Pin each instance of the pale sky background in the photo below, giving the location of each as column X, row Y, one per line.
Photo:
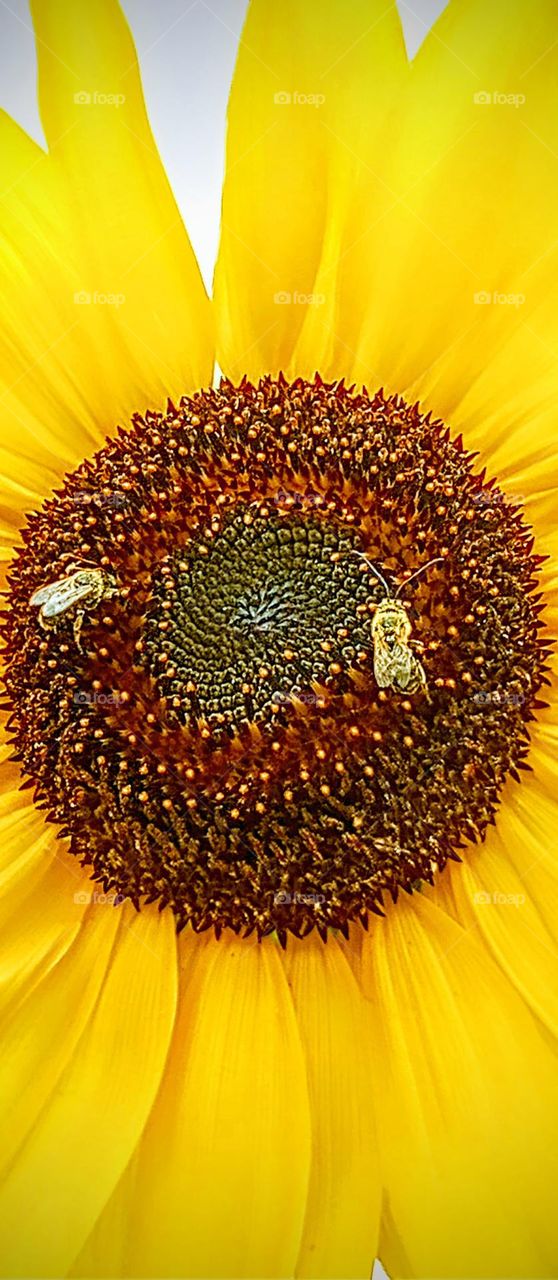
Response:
column 187, row 50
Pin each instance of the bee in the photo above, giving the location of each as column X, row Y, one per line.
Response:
column 395, row 665
column 79, row 590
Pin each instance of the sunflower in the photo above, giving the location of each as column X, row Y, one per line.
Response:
column 278, row 802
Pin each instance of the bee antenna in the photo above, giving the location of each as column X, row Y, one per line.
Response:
column 423, row 567
column 379, row 576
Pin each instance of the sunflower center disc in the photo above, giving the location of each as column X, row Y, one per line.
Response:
column 255, row 620
column 229, row 711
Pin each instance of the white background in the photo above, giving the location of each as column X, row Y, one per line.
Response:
column 187, row 50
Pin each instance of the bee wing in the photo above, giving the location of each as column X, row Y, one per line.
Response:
column 42, row 594
column 384, row 665
column 410, row 672
column 396, row 667
column 59, row 596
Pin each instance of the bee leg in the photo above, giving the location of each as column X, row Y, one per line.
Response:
column 78, row 623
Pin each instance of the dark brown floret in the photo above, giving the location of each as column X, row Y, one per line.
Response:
column 219, row 743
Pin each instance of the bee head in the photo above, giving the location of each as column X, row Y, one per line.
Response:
column 391, row 622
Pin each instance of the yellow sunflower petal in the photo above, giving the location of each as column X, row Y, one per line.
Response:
column 64, row 379
column 131, row 238
column 307, row 127
column 51, row 350
column 507, row 411
column 23, row 483
column 220, row 1186
column 22, row 824
column 488, row 895
column 473, row 184
column 103, row 1254
column 340, row 1236
column 41, row 1033
column 84, row 1059
column 528, row 832
column 424, row 204
column 466, row 1093
column 43, row 897
column 104, row 311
